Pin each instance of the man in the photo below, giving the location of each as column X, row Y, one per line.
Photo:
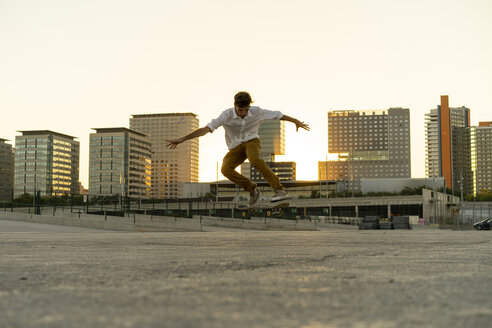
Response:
column 241, row 125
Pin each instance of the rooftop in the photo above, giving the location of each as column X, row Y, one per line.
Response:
column 118, row 130
column 163, row 115
column 44, row 133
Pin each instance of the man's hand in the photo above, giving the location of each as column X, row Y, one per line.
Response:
column 197, row 133
column 298, row 123
column 174, row 143
column 303, row 125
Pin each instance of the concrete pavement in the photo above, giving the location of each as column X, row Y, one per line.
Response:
column 334, row 278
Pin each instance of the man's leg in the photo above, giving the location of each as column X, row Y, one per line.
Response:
column 233, row 159
column 253, row 148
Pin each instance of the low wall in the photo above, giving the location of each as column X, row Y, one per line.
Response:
column 136, row 222
column 132, row 223
column 256, row 223
column 456, row 226
column 140, row 222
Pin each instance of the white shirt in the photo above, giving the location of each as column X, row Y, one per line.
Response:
column 239, row 130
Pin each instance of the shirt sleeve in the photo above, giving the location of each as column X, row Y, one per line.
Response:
column 217, row 122
column 270, row 115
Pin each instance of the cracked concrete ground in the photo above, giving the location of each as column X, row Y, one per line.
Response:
column 53, row 276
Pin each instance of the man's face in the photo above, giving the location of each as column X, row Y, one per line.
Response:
column 241, row 111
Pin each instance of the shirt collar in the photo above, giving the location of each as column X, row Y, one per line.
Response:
column 237, row 116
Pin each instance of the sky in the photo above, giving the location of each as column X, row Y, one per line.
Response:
column 69, row 66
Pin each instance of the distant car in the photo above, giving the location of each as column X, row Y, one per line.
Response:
column 483, row 225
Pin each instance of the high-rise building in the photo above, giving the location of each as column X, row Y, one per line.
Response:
column 481, row 156
column 448, row 145
column 47, row 162
column 120, row 163
column 367, row 144
column 6, row 170
column 272, row 139
column 170, row 168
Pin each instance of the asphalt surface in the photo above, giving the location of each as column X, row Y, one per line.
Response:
column 52, row 276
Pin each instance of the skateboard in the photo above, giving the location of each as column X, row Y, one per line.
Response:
column 266, row 209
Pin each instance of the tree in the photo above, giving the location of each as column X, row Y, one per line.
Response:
column 412, row 191
column 484, row 196
column 23, row 199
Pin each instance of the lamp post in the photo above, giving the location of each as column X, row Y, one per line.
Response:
column 326, row 176
column 461, row 196
column 217, row 184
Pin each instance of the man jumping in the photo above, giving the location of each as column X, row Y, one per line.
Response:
column 241, row 125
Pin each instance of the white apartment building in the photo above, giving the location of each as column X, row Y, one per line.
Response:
column 120, row 163
column 170, row 168
column 47, row 162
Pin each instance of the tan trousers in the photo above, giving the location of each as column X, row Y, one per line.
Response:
column 237, row 156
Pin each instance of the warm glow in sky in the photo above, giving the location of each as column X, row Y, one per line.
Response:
column 69, row 66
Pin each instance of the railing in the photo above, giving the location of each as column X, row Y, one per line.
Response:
column 189, row 208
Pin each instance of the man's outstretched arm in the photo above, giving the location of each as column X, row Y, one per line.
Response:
column 197, row 133
column 298, row 123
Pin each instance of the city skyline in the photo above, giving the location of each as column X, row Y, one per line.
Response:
column 329, row 156
column 68, row 67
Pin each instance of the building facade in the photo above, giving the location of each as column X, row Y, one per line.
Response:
column 367, row 144
column 47, row 162
column 285, row 171
column 481, row 156
column 120, row 163
column 447, row 148
column 230, row 191
column 396, row 185
column 6, row 171
column 272, row 138
column 170, row 167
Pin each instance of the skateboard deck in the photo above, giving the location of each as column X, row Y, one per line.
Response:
column 263, row 209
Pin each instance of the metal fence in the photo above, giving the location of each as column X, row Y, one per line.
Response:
column 469, row 213
column 472, row 212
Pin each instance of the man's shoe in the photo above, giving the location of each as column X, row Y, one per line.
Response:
column 254, row 196
column 280, row 195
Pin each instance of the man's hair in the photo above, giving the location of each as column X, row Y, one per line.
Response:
column 242, row 99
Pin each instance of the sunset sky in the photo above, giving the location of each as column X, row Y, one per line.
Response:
column 69, row 66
